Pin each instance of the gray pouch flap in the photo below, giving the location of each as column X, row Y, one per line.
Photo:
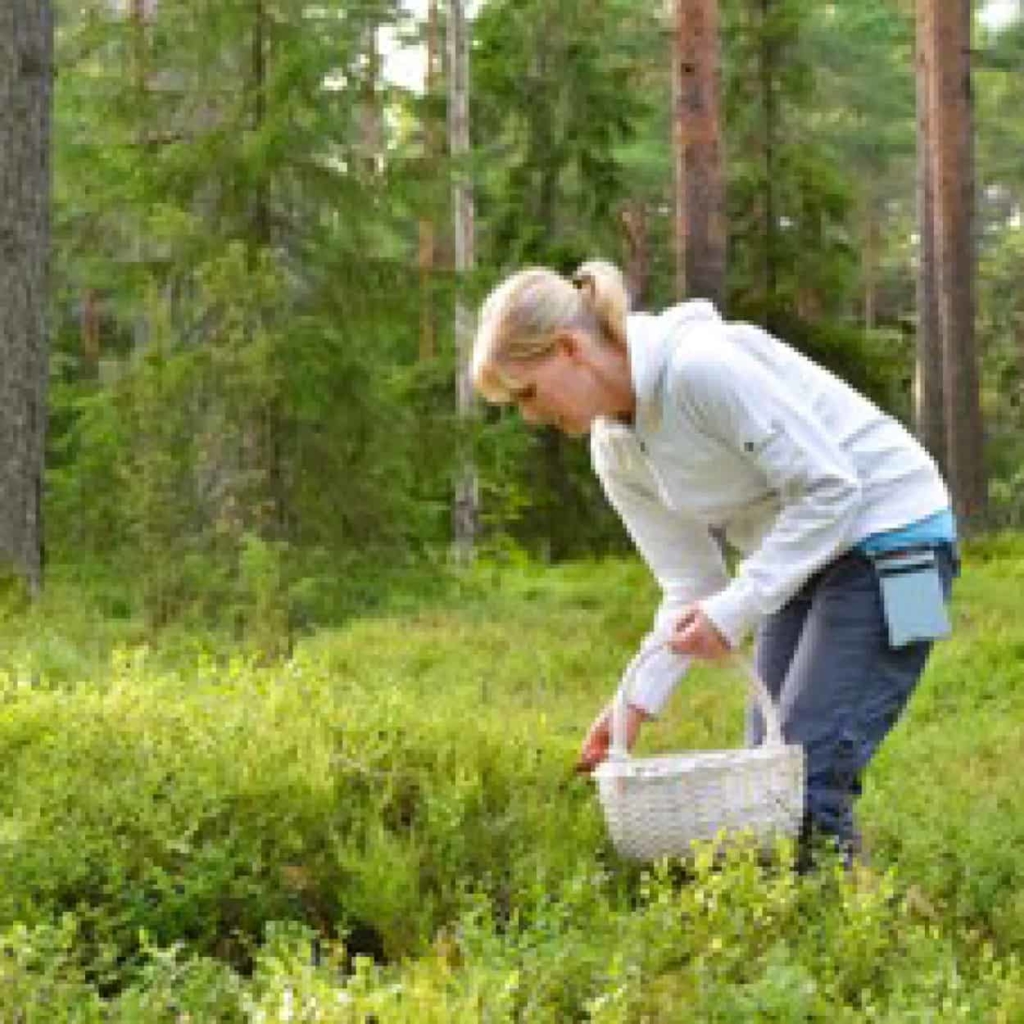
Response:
column 912, row 599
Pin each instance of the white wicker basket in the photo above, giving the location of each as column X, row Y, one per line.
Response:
column 657, row 806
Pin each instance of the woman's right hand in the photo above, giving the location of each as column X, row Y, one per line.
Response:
column 599, row 736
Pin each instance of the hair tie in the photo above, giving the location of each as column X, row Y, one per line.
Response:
column 582, row 280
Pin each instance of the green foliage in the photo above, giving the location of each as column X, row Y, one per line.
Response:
column 551, row 104
column 386, row 823
column 875, row 362
column 196, row 808
column 1001, row 343
column 225, row 366
column 237, row 306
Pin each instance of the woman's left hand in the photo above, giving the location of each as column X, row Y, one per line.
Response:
column 696, row 635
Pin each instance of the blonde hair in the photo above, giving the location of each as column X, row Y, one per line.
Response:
column 522, row 316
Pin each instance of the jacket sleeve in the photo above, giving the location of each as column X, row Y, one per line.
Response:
column 679, row 551
column 732, row 397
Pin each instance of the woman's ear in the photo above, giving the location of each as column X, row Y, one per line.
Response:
column 570, row 344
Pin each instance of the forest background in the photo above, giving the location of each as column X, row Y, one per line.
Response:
column 253, row 398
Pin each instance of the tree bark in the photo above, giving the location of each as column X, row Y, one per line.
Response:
column 268, row 426
column 633, row 219
column 465, row 511
column 767, row 71
column 260, row 236
column 26, row 90
column 928, row 399
column 952, row 169
column 678, row 170
column 371, row 112
column 870, row 260
column 427, row 257
column 700, row 189
column 90, row 331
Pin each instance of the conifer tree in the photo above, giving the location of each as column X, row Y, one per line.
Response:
column 465, row 511
column 26, row 74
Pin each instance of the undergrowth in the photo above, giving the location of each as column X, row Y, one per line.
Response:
column 385, row 825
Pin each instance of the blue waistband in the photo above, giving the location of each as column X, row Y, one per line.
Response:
column 935, row 529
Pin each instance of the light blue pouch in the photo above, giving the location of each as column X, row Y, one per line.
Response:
column 912, row 598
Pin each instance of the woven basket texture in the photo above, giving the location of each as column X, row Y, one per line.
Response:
column 659, row 806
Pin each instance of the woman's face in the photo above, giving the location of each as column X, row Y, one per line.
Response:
column 559, row 389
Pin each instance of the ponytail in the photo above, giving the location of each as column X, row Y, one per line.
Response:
column 603, row 291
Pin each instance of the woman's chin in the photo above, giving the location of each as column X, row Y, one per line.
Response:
column 574, row 428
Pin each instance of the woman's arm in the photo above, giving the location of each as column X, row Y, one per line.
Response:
column 678, row 549
column 734, row 398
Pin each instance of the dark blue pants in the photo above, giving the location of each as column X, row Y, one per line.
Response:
column 840, row 687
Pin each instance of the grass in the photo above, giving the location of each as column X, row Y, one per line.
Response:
column 387, row 823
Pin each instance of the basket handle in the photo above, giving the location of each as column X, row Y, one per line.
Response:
column 619, row 750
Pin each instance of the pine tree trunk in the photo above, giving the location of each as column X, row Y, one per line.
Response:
column 700, row 189
column 767, row 72
column 90, row 332
column 929, row 404
column 427, row 260
column 260, row 236
column 869, row 262
column 268, row 426
column 633, row 219
column 465, row 511
column 678, row 170
column 952, row 166
column 26, row 77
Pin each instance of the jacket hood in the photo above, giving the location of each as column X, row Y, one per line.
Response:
column 677, row 318
column 651, row 340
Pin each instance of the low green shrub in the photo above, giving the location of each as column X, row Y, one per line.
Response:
column 197, row 809
column 735, row 943
column 386, row 823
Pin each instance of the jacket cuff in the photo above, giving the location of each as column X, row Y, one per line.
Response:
column 732, row 611
column 654, row 683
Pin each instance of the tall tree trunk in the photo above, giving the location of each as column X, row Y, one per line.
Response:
column 870, row 260
column 678, row 170
column 770, row 117
column 26, row 77
column 465, row 511
column 928, row 399
column 90, row 331
column 633, row 219
column 952, row 165
column 700, row 188
column 138, row 67
column 268, row 426
column 427, row 229
column 371, row 113
column 260, row 233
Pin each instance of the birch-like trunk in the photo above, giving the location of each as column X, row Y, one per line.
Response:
column 465, row 511
column 928, row 400
column 432, row 150
column 26, row 90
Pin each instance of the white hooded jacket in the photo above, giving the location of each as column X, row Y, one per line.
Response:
column 738, row 432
